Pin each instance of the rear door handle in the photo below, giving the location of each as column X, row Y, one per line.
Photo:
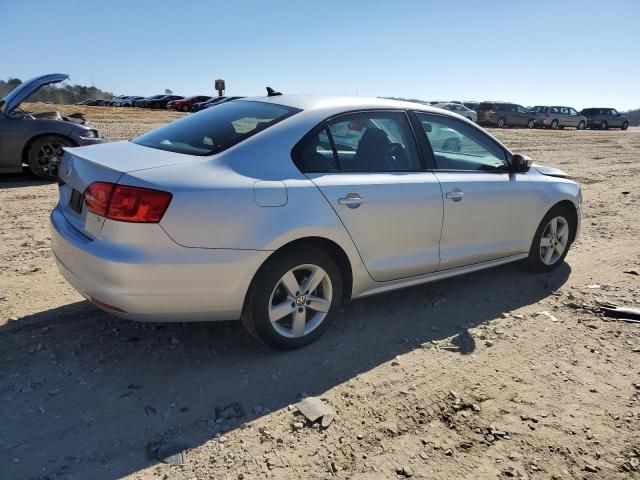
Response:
column 455, row 195
column 352, row 200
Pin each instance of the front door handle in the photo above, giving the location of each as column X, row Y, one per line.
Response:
column 352, row 200
column 456, row 195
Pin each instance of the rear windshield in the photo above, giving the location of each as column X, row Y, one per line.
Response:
column 216, row 128
column 485, row 106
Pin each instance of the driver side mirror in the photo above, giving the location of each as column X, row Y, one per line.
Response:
column 520, row 163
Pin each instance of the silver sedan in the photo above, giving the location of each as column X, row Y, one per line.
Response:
column 275, row 210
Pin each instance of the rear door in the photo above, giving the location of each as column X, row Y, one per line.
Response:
column 522, row 115
column 489, row 213
column 367, row 166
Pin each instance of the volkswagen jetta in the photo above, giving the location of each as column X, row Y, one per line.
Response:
column 276, row 209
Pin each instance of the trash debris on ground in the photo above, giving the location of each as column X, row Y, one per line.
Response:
column 171, row 453
column 313, row 408
column 627, row 314
column 545, row 313
column 229, row 412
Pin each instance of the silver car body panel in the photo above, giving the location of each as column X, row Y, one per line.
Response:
column 231, row 211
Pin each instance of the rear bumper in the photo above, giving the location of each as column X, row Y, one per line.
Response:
column 168, row 284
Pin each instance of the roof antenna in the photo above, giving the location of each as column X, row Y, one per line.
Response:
column 272, row 93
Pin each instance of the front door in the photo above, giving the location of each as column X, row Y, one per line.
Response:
column 367, row 166
column 487, row 209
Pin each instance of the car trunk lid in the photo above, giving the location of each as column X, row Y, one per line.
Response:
column 82, row 166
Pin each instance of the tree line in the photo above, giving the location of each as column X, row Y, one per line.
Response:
column 58, row 93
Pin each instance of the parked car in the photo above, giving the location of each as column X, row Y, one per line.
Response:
column 142, row 102
column 200, row 219
column 604, row 118
column 161, row 103
column 459, row 109
column 129, row 101
column 96, row 103
column 85, row 102
column 558, row 117
column 210, row 103
column 37, row 140
column 112, row 102
column 185, row 104
column 505, row 114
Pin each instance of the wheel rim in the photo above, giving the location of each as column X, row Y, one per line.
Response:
column 501, row 123
column 48, row 157
column 554, row 125
column 300, row 301
column 531, row 123
column 555, row 238
column 581, row 126
column 603, row 125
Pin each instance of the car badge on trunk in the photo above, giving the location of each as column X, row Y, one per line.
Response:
column 69, row 168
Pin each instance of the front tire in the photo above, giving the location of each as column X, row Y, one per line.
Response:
column 185, row 108
column 502, row 122
column 554, row 125
column 625, row 125
column 44, row 154
column 293, row 298
column 604, row 125
column 552, row 240
column 531, row 123
column 581, row 126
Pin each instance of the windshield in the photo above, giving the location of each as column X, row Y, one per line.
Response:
column 217, row 128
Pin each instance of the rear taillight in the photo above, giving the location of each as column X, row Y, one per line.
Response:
column 126, row 204
column 97, row 196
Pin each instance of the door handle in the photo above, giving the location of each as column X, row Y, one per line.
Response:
column 455, row 195
column 352, row 200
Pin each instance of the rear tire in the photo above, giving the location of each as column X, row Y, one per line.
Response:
column 44, row 154
column 625, row 125
column 531, row 124
column 554, row 125
column 604, row 125
column 286, row 319
column 551, row 243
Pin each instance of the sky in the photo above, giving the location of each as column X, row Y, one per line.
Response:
column 577, row 53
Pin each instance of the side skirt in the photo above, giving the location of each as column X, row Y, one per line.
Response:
column 431, row 277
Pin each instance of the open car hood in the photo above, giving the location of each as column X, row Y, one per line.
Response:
column 22, row 91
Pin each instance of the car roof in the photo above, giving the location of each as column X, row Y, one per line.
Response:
column 346, row 103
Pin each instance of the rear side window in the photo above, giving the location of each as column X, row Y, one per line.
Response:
column 363, row 142
column 484, row 106
column 216, row 128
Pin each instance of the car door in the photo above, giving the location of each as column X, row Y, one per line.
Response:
column 615, row 119
column 488, row 211
column 522, row 116
column 367, row 166
column 574, row 118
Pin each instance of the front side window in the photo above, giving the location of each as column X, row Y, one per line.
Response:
column 458, row 146
column 521, row 109
column 572, row 111
column 614, row 112
column 216, row 128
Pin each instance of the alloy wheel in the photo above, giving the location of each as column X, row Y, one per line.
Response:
column 554, row 240
column 48, row 157
column 300, row 301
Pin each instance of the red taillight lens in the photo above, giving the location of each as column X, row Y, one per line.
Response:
column 126, row 204
column 97, row 196
column 134, row 204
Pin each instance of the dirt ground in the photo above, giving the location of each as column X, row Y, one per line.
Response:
column 460, row 379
